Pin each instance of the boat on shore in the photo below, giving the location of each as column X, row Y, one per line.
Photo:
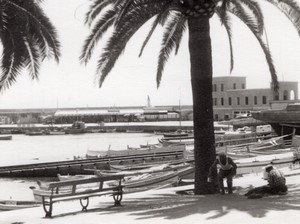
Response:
column 55, row 132
column 146, row 179
column 8, row 205
column 78, row 127
column 34, row 133
column 286, row 121
column 5, row 137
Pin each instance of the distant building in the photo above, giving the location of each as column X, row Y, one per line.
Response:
column 232, row 99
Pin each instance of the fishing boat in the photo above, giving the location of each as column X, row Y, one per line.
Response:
column 283, row 121
column 34, row 133
column 8, row 205
column 141, row 181
column 78, row 127
column 178, row 141
column 55, row 132
column 5, row 137
column 133, row 151
column 176, row 134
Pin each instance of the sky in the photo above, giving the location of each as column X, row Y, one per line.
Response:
column 72, row 84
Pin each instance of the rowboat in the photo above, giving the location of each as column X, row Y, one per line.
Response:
column 175, row 134
column 181, row 141
column 55, row 132
column 254, row 165
column 34, row 133
column 7, row 205
column 5, row 137
column 149, row 180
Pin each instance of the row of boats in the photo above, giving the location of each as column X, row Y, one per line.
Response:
column 143, row 174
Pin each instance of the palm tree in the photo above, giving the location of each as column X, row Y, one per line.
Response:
column 127, row 16
column 27, row 37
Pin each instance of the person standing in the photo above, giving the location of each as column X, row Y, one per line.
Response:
column 227, row 169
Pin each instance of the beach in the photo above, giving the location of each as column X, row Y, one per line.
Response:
column 166, row 207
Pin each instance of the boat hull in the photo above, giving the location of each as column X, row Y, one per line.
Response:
column 8, row 205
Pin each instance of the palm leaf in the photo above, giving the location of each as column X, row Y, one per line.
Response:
column 171, row 37
column 291, row 10
column 225, row 20
column 125, row 28
column 95, row 10
column 41, row 21
column 160, row 19
column 99, row 29
column 248, row 20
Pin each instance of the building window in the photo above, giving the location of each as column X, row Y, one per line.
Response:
column 243, row 86
column 285, row 95
column 215, row 86
column 215, row 101
column 234, row 86
column 222, row 101
column 264, row 100
column 222, row 87
column 238, row 101
column 255, row 100
column 229, row 101
column 246, row 100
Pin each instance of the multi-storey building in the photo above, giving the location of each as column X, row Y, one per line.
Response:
column 231, row 98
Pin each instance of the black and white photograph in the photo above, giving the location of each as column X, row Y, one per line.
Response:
column 147, row 111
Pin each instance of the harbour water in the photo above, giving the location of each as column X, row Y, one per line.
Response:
column 23, row 149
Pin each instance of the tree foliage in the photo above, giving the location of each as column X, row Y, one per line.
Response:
column 125, row 17
column 27, row 37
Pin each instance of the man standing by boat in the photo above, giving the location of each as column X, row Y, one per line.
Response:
column 227, row 169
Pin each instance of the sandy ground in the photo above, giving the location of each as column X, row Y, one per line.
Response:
column 164, row 206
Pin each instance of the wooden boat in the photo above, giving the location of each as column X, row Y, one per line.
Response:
column 5, row 137
column 56, row 132
column 83, row 166
column 155, row 145
column 146, row 181
column 110, row 130
column 284, row 121
column 34, row 133
column 151, row 167
column 254, row 164
column 133, row 151
column 8, row 205
column 78, row 127
column 175, row 134
column 181, row 141
column 134, row 131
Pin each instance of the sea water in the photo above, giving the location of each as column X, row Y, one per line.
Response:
column 24, row 149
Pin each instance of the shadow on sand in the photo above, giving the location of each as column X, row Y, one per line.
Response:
column 179, row 206
column 174, row 206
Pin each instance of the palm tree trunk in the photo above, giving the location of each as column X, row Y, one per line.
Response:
column 201, row 80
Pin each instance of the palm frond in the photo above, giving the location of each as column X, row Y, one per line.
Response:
column 11, row 61
column 291, row 10
column 40, row 20
column 225, row 20
column 171, row 37
column 124, row 29
column 255, row 8
column 98, row 30
column 95, row 9
column 243, row 16
column 160, row 19
column 32, row 57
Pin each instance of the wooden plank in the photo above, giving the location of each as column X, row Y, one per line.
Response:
column 84, row 181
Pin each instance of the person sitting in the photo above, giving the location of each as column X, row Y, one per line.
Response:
column 227, row 169
column 276, row 184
